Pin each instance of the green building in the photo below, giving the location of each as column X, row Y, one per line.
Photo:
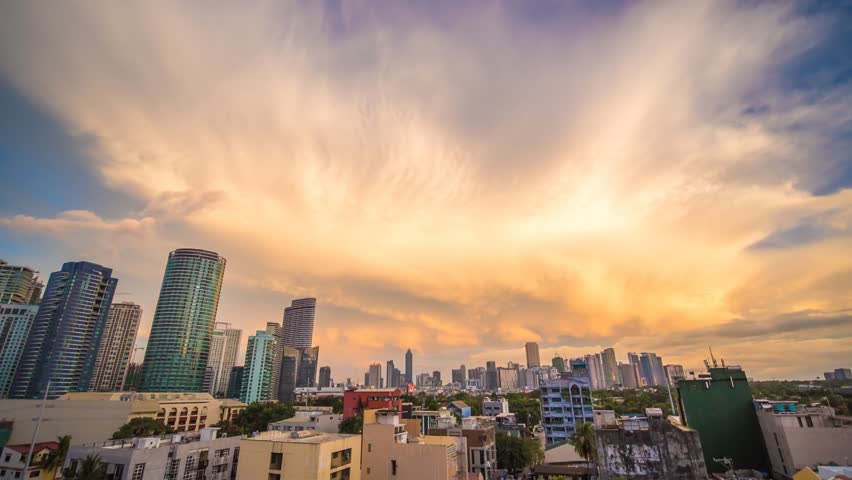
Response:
column 179, row 345
column 720, row 406
column 257, row 384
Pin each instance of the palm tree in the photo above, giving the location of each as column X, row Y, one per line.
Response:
column 584, row 441
column 54, row 460
column 91, row 468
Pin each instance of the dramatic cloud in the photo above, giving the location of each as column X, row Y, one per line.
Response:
column 462, row 179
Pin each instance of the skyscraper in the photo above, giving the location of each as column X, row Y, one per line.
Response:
column 298, row 331
column 674, row 373
column 630, row 377
column 594, row 366
column 652, row 370
column 224, row 344
column 179, row 346
column 409, row 367
column 558, row 363
column 374, row 378
column 610, row 368
column 492, row 380
column 18, row 285
column 15, row 323
column 436, row 378
column 389, row 367
column 324, row 377
column 290, row 359
column 275, row 329
column 235, row 381
column 116, row 347
column 257, row 376
column 66, row 331
column 307, row 369
column 533, row 359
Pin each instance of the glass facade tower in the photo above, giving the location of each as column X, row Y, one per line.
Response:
column 179, row 346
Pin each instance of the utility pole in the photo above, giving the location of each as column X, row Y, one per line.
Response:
column 35, row 432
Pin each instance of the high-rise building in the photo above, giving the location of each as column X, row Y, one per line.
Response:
column 409, row 367
column 64, row 338
column 397, row 378
column 15, row 323
column 325, row 377
column 492, row 379
column 375, row 375
column 558, row 363
column 389, row 374
column 674, row 373
column 257, row 376
column 19, row 285
column 565, row 403
column 224, row 345
column 116, row 347
column 595, row 371
column 290, row 359
column 630, row 377
column 533, row 359
column 276, row 330
column 298, row 331
column 458, row 375
column 842, row 374
column 652, row 369
column 179, row 346
column 235, row 381
column 610, row 368
column 307, row 369
column 720, row 406
column 508, row 379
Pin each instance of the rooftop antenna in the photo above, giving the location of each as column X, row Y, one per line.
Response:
column 707, row 364
column 715, row 365
column 723, row 363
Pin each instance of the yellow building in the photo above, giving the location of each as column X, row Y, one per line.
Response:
column 14, row 457
column 305, row 455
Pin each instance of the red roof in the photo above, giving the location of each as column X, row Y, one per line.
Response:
column 25, row 449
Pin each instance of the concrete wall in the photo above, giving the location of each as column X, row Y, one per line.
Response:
column 301, row 460
column 436, row 459
column 86, row 421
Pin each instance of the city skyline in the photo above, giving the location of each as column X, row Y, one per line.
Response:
column 585, row 194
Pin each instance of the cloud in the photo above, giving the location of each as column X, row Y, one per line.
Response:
column 457, row 179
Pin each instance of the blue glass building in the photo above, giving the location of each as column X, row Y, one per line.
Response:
column 65, row 334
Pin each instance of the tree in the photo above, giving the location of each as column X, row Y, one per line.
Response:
column 516, row 453
column 257, row 416
column 230, row 429
column 91, row 468
column 336, row 403
column 142, row 427
column 54, row 460
column 584, row 441
column 353, row 424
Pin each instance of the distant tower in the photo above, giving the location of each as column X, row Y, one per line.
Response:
column 15, row 324
column 374, row 378
column 224, row 345
column 409, row 367
column 533, row 359
column 298, row 331
column 64, row 338
column 116, row 347
column 325, row 377
column 389, row 374
column 19, row 285
column 179, row 346
column 257, row 376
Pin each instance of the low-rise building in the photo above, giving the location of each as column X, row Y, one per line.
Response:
column 306, row 455
column 491, row 408
column 317, row 418
column 459, row 408
column 14, row 457
column 429, row 419
column 480, row 434
column 197, row 455
column 391, row 451
column 356, row 401
column 798, row 436
column 565, row 403
column 647, row 448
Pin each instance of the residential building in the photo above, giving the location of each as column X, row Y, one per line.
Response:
column 595, row 369
column 19, row 285
column 478, row 375
column 389, row 375
column 459, row 376
column 94, row 416
column 533, row 358
column 257, row 377
column 391, row 452
column 224, row 345
column 305, row 455
column 565, row 403
column 133, row 378
column 179, row 344
column 66, row 331
column 480, row 434
column 647, row 448
column 436, row 378
column 235, row 381
column 298, row 324
column 290, row 359
column 459, row 408
column 798, row 436
column 633, row 359
column 116, row 347
column 320, row 419
column 374, row 375
column 275, row 330
column 630, row 376
column 492, row 379
column 674, row 373
column 186, row 456
column 579, row 368
column 13, row 458
column 325, row 377
column 409, row 367
column 719, row 405
column 652, row 369
column 842, row 374
column 492, row 408
column 15, row 323
column 829, row 376
column 507, row 379
column 558, row 363
column 610, row 368
column 356, row 401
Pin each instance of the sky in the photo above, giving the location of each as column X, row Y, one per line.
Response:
column 453, row 177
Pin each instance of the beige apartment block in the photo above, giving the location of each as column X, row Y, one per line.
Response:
column 305, row 455
column 390, row 451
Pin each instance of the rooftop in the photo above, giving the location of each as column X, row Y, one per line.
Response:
column 305, row 436
column 376, row 390
column 25, row 448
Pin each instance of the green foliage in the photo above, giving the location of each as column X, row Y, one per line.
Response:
column 257, row 416
column 336, row 403
column 584, row 441
column 230, row 429
column 633, row 401
column 353, row 424
column 91, row 468
column 526, row 408
column 56, row 458
column 514, row 454
column 142, row 427
column 822, row 392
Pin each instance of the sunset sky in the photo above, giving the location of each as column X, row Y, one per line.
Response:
column 454, row 177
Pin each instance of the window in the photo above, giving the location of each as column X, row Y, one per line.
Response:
column 17, row 474
column 222, row 452
column 2, row 473
column 275, row 460
column 138, row 471
column 8, row 458
column 393, row 467
column 369, row 447
column 801, row 425
column 274, row 476
column 35, row 473
column 809, row 421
